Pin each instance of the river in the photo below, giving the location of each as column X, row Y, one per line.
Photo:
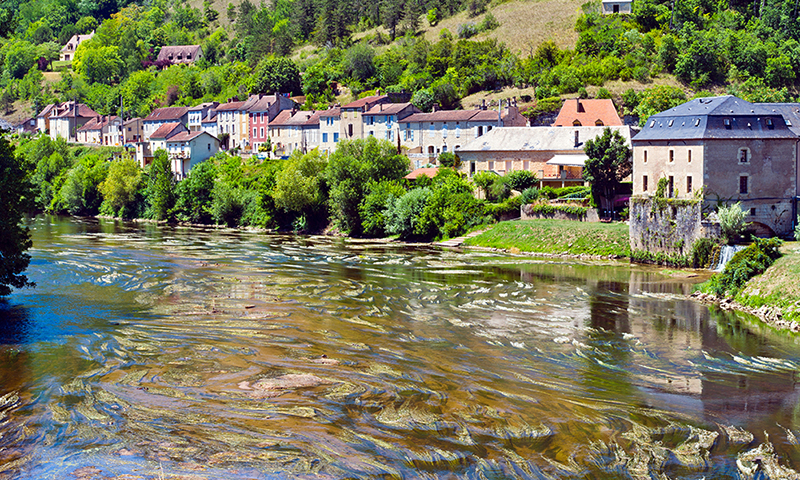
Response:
column 167, row 352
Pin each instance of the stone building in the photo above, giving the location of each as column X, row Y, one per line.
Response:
column 729, row 149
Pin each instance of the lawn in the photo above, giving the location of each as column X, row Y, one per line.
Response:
column 558, row 237
column 778, row 285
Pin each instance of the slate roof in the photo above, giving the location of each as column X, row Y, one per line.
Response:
column 331, row 112
column 261, row 103
column 588, row 112
column 166, row 114
column 725, row 117
column 508, row 139
column 180, row 53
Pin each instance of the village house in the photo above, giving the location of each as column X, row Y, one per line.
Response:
column 209, row 123
column 351, row 121
column 196, row 114
column 132, row 131
column 295, row 130
column 578, row 112
column 261, row 110
column 232, row 120
column 185, row 148
column 383, row 120
column 426, row 135
column 101, row 130
column 26, row 126
column 68, row 50
column 162, row 116
column 180, row 54
column 67, row 118
column 330, row 128
column 554, row 154
column 43, row 118
column 729, row 149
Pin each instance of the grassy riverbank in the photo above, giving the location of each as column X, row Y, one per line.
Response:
column 557, row 237
column 778, row 285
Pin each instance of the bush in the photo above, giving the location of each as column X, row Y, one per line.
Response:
column 520, row 180
column 508, row 207
column 731, row 222
column 548, row 192
column 529, row 195
column 744, row 265
column 375, row 205
column 702, row 252
column 402, row 214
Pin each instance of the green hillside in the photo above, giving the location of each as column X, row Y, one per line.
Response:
column 446, row 52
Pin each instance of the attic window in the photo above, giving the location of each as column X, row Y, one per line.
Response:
column 788, row 122
column 769, row 122
column 652, row 123
column 697, row 122
column 671, row 122
column 727, row 123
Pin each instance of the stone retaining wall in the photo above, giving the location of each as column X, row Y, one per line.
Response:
column 591, row 215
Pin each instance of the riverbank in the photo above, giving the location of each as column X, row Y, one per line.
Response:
column 773, row 296
column 557, row 237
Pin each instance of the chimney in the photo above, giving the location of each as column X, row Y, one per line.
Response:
column 577, row 141
column 483, row 104
column 380, row 107
column 434, row 109
column 580, row 105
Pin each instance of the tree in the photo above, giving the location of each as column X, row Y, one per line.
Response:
column 14, row 238
column 608, row 163
column 658, row 99
column 276, row 75
column 299, row 186
column 449, row 160
column 120, row 187
column 160, row 187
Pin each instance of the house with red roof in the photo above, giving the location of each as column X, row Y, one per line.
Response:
column 66, row 118
column 185, row 149
column 162, row 116
column 597, row 112
column 351, row 121
column 232, row 121
column 383, row 119
column 293, row 130
column 261, row 110
column 101, row 130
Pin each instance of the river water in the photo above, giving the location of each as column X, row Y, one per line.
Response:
column 160, row 352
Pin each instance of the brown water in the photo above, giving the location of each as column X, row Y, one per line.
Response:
column 156, row 352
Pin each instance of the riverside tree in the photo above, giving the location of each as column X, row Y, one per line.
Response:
column 14, row 238
column 608, row 163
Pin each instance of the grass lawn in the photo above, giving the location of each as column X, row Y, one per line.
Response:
column 557, row 236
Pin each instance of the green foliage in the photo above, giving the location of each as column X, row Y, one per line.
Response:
column 508, row 208
column 608, row 164
column 449, row 160
column 80, row 192
column 300, row 186
column 529, row 195
column 160, row 194
column 484, row 180
column 14, row 238
column 451, row 208
column 433, row 17
column 702, row 252
column 657, row 99
column 402, row 214
column 731, row 221
column 350, row 168
column 551, row 208
column 373, row 209
column 744, row 265
column 276, row 75
column 520, row 180
column 194, row 200
column 120, row 189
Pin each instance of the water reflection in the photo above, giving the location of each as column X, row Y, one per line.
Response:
column 226, row 354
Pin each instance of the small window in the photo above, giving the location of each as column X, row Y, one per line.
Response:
column 671, row 121
column 769, row 122
column 727, row 123
column 743, row 184
column 672, row 156
column 671, row 186
column 645, row 156
column 697, row 122
column 753, row 211
column 688, row 184
column 576, row 123
column 744, row 155
column 652, row 123
column 689, row 156
column 788, row 122
column 644, row 183
column 599, row 123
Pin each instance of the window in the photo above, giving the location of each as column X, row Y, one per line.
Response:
column 769, row 123
column 689, row 156
column 599, row 123
column 350, row 130
column 689, row 184
column 671, row 192
column 335, row 137
column 324, row 137
column 753, row 211
column 576, row 123
column 209, row 147
column 645, row 156
column 458, row 130
column 671, row 156
column 444, row 130
column 479, row 131
column 254, row 132
column 444, row 148
column 388, row 134
column 671, row 121
column 371, row 133
column 262, row 132
column 644, row 183
column 743, row 184
column 727, row 123
column 744, row 155
column 370, row 121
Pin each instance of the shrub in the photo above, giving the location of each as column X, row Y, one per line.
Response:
column 702, row 252
column 744, row 265
column 548, row 192
column 402, row 214
column 375, row 205
column 508, row 207
column 529, row 195
column 520, row 180
column 731, row 222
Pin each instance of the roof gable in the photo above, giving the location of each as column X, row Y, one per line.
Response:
column 167, row 130
column 587, row 112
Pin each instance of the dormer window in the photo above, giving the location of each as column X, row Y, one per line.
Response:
column 769, row 123
column 652, row 123
column 697, row 122
column 727, row 123
column 671, row 122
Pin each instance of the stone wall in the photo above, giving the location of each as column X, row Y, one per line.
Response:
column 667, row 226
column 591, row 215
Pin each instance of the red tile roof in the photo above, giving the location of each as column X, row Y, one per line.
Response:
column 185, row 136
column 428, row 172
column 387, row 109
column 361, row 102
column 443, row 116
column 588, row 113
column 230, row 106
column 167, row 130
column 331, row 112
column 167, row 113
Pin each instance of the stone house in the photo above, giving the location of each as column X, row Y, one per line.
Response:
column 330, row 128
column 351, row 121
column 68, row 50
column 101, row 130
column 67, row 118
column 554, row 154
column 384, row 119
column 132, row 131
column 729, row 149
column 232, row 119
column 180, row 54
column 295, row 130
column 194, row 119
column 261, row 110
